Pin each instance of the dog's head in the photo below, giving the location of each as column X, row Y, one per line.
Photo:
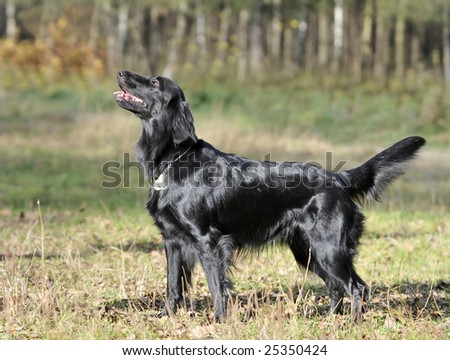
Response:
column 158, row 102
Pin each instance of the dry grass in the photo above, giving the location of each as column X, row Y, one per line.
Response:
column 97, row 273
column 102, row 277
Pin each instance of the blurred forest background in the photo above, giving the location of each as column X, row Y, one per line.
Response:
column 292, row 77
column 363, row 39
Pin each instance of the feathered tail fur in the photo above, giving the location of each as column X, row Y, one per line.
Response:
column 368, row 181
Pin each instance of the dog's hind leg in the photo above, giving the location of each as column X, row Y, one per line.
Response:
column 354, row 287
column 336, row 296
column 336, row 269
column 306, row 259
column 333, row 262
column 358, row 291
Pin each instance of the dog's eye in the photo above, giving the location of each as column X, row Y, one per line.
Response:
column 154, row 82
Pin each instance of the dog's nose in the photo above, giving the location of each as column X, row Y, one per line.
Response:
column 122, row 73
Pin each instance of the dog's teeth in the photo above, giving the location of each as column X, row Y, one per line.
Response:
column 128, row 96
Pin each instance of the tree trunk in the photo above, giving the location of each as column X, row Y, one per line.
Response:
column 222, row 41
column 287, row 49
column 175, row 44
column 94, row 28
column 415, row 48
column 122, row 27
column 347, row 46
column 156, row 40
column 275, row 35
column 381, row 42
column 446, row 42
column 110, row 29
column 244, row 16
column 400, row 41
column 355, row 40
column 324, row 38
column 47, row 14
column 11, row 24
column 137, row 54
column 311, row 42
column 367, row 50
column 338, row 35
column 301, row 38
column 256, row 40
column 200, row 32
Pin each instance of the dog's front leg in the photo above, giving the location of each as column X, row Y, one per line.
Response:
column 219, row 292
column 174, row 277
column 215, row 258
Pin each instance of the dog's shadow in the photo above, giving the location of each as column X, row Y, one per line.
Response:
column 418, row 300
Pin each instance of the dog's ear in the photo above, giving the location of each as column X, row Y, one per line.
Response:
column 182, row 124
column 172, row 92
column 181, row 94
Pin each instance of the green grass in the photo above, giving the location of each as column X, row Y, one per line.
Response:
column 94, row 267
column 102, row 276
column 60, row 180
column 337, row 112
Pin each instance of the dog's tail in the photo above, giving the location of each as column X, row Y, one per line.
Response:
column 368, row 181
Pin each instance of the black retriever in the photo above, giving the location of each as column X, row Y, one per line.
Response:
column 209, row 204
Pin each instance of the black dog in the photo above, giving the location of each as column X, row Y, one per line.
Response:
column 207, row 204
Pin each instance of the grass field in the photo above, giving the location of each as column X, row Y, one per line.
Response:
column 88, row 263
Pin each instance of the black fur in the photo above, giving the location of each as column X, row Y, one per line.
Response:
column 208, row 204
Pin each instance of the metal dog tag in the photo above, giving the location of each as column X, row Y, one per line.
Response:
column 159, row 183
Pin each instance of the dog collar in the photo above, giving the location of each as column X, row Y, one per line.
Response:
column 160, row 182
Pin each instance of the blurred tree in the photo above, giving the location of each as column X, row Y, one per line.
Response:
column 446, row 41
column 224, row 29
column 338, row 35
column 400, row 25
column 244, row 16
column 367, row 35
column 355, row 39
column 360, row 38
column 122, row 28
column 302, row 33
column 324, row 36
column 11, row 25
column 94, row 27
column 276, row 28
column 176, row 43
column 200, row 33
column 256, row 50
column 382, row 24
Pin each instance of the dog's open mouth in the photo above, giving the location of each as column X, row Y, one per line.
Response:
column 124, row 95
